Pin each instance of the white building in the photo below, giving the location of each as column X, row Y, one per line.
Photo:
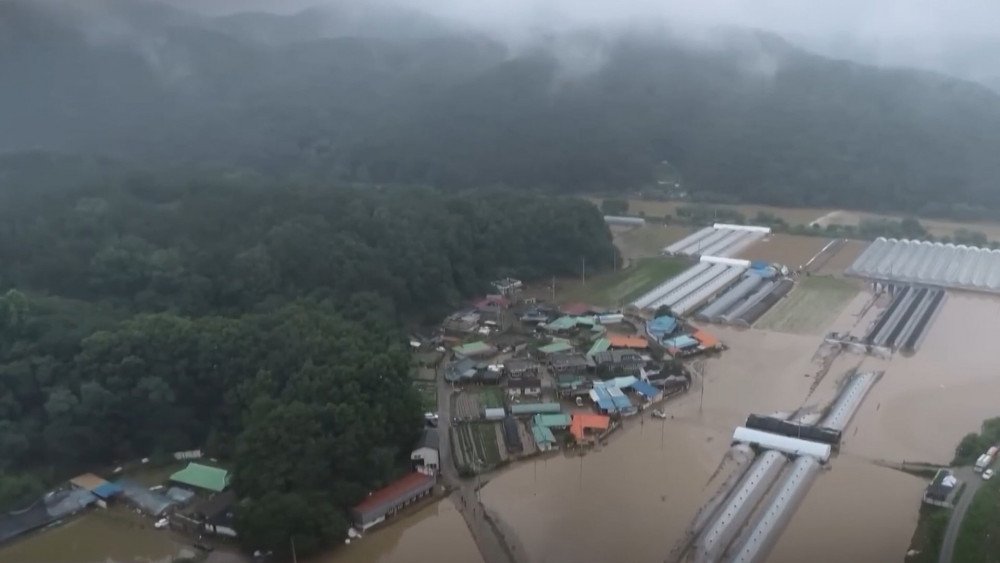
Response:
column 425, row 457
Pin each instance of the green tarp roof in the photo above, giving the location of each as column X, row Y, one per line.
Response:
column 562, row 323
column 556, row 347
column 203, row 477
column 542, row 435
column 600, row 345
column 561, row 420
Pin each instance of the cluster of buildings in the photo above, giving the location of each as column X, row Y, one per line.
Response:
column 195, row 499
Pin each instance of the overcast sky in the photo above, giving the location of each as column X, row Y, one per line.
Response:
column 958, row 36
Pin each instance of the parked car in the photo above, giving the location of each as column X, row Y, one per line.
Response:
column 987, row 475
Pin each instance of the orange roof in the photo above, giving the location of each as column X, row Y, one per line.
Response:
column 625, row 341
column 707, row 340
column 87, row 481
column 584, row 421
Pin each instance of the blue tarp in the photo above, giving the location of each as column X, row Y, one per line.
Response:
column 107, row 490
column 661, row 326
column 645, row 389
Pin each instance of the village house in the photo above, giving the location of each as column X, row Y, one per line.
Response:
column 516, row 368
column 524, row 387
column 567, row 363
column 617, row 362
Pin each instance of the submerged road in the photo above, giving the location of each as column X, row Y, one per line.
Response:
column 972, row 482
column 483, row 525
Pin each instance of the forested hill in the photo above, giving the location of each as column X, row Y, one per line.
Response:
column 377, row 96
column 259, row 322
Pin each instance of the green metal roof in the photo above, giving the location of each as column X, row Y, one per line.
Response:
column 561, row 420
column 600, row 345
column 542, row 435
column 202, row 477
column 556, row 347
column 473, row 348
column 562, row 323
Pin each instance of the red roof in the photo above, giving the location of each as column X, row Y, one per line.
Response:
column 626, row 341
column 584, row 421
column 576, row 309
column 707, row 340
column 393, row 491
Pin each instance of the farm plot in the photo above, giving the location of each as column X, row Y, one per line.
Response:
column 428, row 395
column 811, row 306
column 478, row 446
column 469, row 405
column 647, row 240
column 625, row 285
column 791, row 250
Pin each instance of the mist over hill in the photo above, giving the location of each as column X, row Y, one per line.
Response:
column 381, row 95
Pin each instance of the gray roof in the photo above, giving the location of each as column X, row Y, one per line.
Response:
column 517, row 364
column 565, row 360
column 931, row 263
column 429, row 439
column 617, row 357
column 526, row 383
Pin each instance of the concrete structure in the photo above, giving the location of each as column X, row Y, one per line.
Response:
column 930, row 263
column 389, row 500
column 424, row 457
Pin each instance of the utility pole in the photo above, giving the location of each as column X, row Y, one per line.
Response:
column 583, row 269
column 295, row 558
column 553, row 289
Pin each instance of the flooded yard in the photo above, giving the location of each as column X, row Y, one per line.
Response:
column 433, row 533
column 115, row 535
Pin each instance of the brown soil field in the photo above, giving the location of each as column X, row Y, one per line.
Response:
column 936, row 227
column 791, row 250
column 793, row 215
column 845, row 256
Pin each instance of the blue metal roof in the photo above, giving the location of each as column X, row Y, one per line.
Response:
column 645, row 389
column 682, row 341
column 107, row 490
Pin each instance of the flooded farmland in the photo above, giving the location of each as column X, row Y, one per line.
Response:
column 791, row 250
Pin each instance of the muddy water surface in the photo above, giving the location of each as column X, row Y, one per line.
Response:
column 434, row 533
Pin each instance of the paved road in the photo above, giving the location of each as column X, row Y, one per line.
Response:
column 972, row 482
column 488, row 538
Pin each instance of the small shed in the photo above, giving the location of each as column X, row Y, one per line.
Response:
column 560, row 420
column 647, row 391
column 150, row 502
column 474, row 350
column 494, row 413
column 556, row 347
column 544, row 439
column 200, row 476
column 425, row 455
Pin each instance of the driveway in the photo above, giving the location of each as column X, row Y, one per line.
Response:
column 972, row 482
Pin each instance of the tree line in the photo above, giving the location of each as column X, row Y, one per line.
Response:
column 259, row 322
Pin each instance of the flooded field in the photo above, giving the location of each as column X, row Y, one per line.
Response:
column 936, row 227
column 790, row 250
column 926, row 403
column 116, row 535
column 793, row 215
column 433, row 533
column 811, row 306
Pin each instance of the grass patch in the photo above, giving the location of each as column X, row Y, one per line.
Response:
column 428, row 396
column 648, row 240
column 979, row 536
column 811, row 306
column 623, row 286
column 929, row 534
column 491, row 398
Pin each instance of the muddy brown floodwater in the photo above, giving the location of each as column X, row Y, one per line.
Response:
column 433, row 533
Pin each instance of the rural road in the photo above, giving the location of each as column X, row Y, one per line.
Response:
column 972, row 482
column 482, row 524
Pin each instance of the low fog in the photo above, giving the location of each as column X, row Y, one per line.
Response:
column 958, row 38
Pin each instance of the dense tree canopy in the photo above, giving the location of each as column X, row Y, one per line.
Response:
column 259, row 322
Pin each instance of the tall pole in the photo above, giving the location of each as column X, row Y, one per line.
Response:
column 583, row 269
column 295, row 558
column 553, row 289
